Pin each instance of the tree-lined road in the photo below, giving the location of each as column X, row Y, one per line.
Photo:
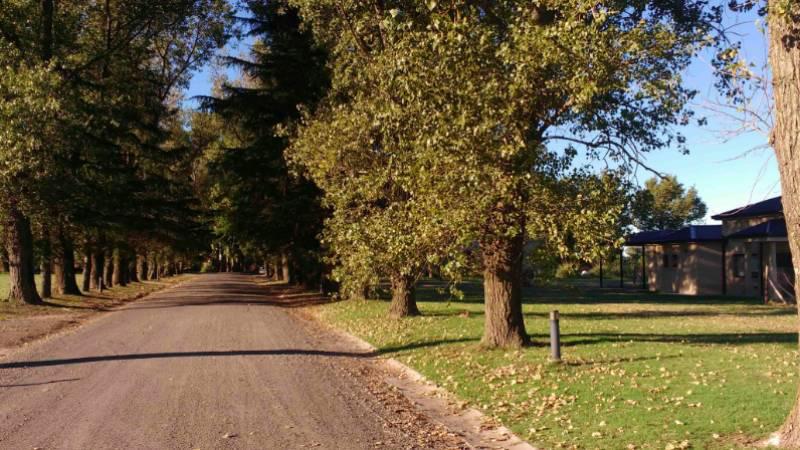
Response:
column 216, row 362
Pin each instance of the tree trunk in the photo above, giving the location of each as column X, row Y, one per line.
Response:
column 155, row 269
column 4, row 259
column 133, row 269
column 502, row 287
column 124, row 270
column 87, row 271
column 108, row 271
column 65, row 266
column 141, row 267
column 98, row 270
column 19, row 245
column 276, row 270
column 286, row 274
column 116, row 272
column 785, row 62
column 404, row 299
column 47, row 264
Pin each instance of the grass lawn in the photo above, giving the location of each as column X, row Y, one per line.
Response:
column 641, row 370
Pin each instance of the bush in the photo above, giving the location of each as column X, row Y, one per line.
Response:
column 567, row 269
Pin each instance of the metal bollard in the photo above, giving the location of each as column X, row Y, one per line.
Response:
column 555, row 338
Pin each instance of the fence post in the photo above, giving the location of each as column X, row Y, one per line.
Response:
column 555, row 337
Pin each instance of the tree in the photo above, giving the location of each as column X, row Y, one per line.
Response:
column 665, row 204
column 489, row 88
column 783, row 19
column 784, row 56
column 259, row 206
column 737, row 81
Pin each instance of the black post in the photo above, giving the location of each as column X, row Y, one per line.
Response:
column 622, row 268
column 761, row 271
column 555, row 338
column 644, row 267
column 724, row 268
column 601, row 271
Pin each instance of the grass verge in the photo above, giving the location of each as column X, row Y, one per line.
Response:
column 641, row 371
column 89, row 302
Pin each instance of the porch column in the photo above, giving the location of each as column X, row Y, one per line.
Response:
column 724, row 267
column 644, row 267
column 761, row 269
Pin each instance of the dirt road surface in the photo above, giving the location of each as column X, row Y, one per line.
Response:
column 218, row 362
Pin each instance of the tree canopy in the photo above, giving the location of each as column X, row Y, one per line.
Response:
column 665, row 204
column 454, row 111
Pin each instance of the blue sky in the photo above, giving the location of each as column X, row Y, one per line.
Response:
column 725, row 175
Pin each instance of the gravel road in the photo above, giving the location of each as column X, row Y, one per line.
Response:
column 217, row 362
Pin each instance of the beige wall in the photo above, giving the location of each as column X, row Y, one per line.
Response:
column 698, row 271
column 750, row 284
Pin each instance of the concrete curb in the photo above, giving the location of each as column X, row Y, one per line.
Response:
column 439, row 405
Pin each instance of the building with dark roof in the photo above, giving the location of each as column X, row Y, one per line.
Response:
column 747, row 255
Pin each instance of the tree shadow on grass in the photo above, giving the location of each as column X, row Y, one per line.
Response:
column 88, row 307
column 584, row 339
column 633, row 314
column 595, row 362
column 436, row 291
column 424, row 344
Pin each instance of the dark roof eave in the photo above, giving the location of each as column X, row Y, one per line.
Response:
column 673, row 241
column 769, row 207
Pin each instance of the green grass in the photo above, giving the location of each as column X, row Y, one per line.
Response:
column 641, row 370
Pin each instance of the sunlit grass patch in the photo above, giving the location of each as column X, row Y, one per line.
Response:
column 640, row 370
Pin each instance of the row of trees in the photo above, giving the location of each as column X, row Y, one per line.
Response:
column 94, row 154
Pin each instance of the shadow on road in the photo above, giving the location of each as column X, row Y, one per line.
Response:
column 200, row 354
column 42, row 383
column 232, row 293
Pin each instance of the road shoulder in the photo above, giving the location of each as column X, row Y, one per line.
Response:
column 435, row 403
column 24, row 325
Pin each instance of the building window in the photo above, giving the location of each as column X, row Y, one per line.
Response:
column 674, row 260
column 738, row 265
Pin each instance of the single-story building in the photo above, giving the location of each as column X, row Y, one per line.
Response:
column 747, row 255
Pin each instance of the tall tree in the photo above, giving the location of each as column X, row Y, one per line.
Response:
column 737, row 82
column 489, row 86
column 783, row 19
column 259, row 205
column 665, row 204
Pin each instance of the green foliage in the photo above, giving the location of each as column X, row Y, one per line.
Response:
column 567, row 269
column 27, row 113
column 665, row 204
column 443, row 120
